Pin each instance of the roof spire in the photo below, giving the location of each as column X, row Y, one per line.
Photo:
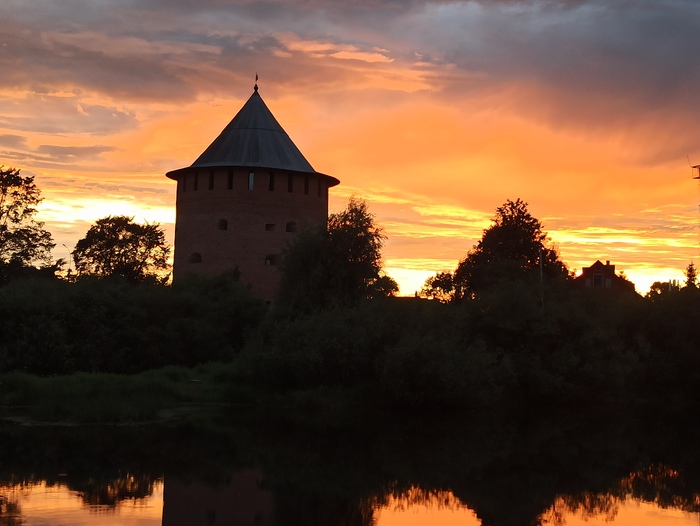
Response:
column 255, row 88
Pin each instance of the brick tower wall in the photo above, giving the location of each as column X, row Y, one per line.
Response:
column 228, row 218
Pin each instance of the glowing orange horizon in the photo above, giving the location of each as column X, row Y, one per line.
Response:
column 432, row 172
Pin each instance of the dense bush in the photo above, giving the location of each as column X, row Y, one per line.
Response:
column 339, row 347
column 507, row 347
column 672, row 331
column 337, row 266
column 108, row 325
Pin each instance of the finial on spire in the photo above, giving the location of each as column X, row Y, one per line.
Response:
column 255, row 88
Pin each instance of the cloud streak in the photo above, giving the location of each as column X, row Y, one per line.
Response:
column 434, row 111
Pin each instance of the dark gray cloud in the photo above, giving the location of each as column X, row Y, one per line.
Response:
column 601, row 67
column 13, row 141
column 12, row 158
column 46, row 155
column 594, row 64
column 71, row 153
column 33, row 56
column 47, row 111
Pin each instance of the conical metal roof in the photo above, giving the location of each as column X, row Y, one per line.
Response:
column 253, row 139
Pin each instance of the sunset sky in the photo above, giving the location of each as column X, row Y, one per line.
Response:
column 435, row 112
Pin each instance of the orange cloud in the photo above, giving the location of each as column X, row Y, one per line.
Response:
column 434, row 113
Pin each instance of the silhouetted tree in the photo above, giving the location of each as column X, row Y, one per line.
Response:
column 116, row 246
column 513, row 247
column 439, row 287
column 383, row 287
column 341, row 264
column 691, row 276
column 355, row 243
column 23, row 240
column 659, row 289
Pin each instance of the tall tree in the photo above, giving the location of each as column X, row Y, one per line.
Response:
column 512, row 248
column 355, row 243
column 340, row 264
column 660, row 290
column 439, row 287
column 116, row 246
column 23, row 240
column 691, row 276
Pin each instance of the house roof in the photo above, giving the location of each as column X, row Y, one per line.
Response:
column 254, row 139
column 598, row 266
column 607, row 270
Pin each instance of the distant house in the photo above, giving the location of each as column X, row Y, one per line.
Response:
column 602, row 276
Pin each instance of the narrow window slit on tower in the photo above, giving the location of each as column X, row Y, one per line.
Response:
column 306, row 184
column 290, row 183
column 230, row 179
column 196, row 181
column 211, row 180
column 271, row 181
column 251, row 180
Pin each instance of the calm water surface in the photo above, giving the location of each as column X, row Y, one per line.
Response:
column 471, row 472
column 58, row 505
column 41, row 504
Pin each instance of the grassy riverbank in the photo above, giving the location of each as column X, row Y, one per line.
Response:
column 154, row 396
column 112, row 398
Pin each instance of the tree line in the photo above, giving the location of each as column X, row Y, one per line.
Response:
column 115, row 309
column 113, row 246
column 336, row 264
column 335, row 327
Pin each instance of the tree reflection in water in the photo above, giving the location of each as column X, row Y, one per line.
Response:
column 415, row 496
column 111, row 492
column 664, row 486
column 57, row 504
column 587, row 505
column 427, row 506
column 10, row 512
column 657, row 484
column 508, row 471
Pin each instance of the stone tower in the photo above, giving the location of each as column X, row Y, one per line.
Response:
column 243, row 200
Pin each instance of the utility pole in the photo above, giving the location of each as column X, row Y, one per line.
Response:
column 69, row 259
column 695, row 172
column 541, row 281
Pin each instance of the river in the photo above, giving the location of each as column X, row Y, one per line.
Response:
column 471, row 470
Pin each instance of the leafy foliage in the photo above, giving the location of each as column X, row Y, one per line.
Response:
column 439, row 287
column 691, row 276
column 579, row 349
column 23, row 240
column 339, row 265
column 512, row 248
column 116, row 246
column 98, row 325
column 502, row 348
column 661, row 289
